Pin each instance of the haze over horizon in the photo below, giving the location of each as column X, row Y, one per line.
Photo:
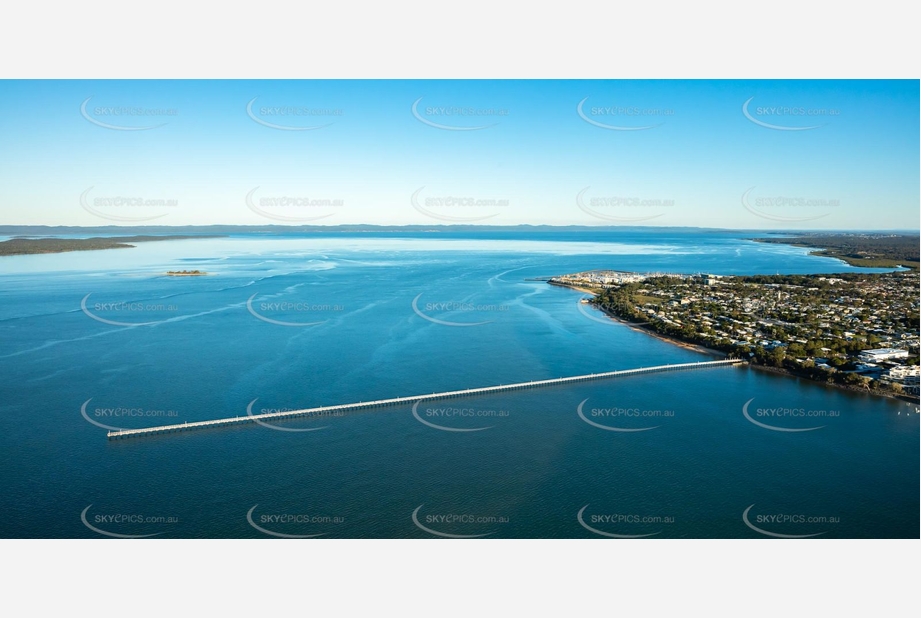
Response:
column 727, row 154
column 137, row 228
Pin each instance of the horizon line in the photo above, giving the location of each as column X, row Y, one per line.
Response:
column 458, row 226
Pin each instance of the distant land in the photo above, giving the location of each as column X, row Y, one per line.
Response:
column 31, row 246
column 114, row 230
column 870, row 250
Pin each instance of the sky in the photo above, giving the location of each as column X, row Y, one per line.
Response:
column 774, row 155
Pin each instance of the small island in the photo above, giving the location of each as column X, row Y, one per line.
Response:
column 185, row 273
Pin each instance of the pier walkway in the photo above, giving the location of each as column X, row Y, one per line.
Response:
column 364, row 405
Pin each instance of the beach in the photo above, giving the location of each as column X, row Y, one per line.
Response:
column 638, row 326
column 717, row 353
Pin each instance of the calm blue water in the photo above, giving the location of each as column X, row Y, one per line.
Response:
column 203, row 354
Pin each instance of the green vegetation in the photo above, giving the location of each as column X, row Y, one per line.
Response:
column 652, row 300
column 31, row 246
column 867, row 250
column 810, row 325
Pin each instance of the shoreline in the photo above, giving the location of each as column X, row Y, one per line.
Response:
column 822, row 250
column 687, row 345
column 696, row 347
column 711, row 352
column 787, row 372
column 17, row 246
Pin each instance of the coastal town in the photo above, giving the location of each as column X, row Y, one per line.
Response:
column 855, row 330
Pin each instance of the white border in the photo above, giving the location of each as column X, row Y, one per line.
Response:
column 168, row 39
column 472, row 39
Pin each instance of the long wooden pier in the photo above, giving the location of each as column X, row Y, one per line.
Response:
column 364, row 405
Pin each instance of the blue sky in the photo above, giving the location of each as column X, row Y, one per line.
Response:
column 661, row 153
